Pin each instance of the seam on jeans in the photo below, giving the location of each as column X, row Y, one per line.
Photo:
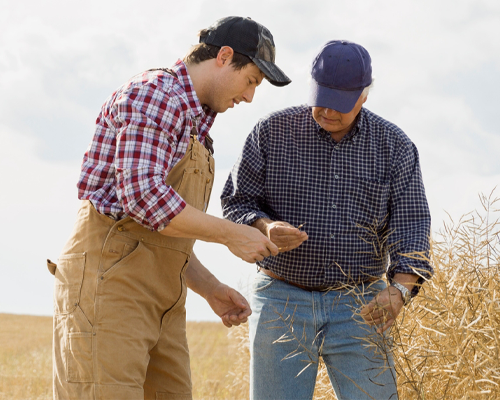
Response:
column 314, row 313
column 311, row 396
column 332, row 375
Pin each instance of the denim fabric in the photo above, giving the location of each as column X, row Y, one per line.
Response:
column 290, row 328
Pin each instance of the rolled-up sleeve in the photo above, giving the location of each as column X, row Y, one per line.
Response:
column 148, row 126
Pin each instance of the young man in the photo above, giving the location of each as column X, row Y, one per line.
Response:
column 146, row 179
column 353, row 181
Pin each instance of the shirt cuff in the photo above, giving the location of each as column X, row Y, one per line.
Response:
column 424, row 274
column 250, row 218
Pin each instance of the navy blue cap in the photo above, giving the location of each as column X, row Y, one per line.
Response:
column 340, row 72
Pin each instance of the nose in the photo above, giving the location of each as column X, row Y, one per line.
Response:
column 248, row 94
column 329, row 112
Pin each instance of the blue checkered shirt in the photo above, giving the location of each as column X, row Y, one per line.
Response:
column 362, row 199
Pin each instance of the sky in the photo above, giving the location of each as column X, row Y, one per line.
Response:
column 437, row 76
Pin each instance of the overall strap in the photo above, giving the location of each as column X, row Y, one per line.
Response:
column 209, row 142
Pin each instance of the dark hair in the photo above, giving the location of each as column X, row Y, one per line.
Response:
column 202, row 52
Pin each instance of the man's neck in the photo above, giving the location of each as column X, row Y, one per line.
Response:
column 199, row 74
column 338, row 136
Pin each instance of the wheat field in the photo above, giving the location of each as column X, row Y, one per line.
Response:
column 26, row 365
column 446, row 343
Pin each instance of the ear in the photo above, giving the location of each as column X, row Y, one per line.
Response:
column 224, row 56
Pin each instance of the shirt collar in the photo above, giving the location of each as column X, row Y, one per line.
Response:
column 353, row 132
column 202, row 115
column 185, row 81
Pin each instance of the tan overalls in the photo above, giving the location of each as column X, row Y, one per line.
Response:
column 119, row 300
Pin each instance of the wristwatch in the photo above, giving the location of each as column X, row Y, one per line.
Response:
column 405, row 293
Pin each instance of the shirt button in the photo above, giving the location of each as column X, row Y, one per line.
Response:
column 196, row 171
column 336, row 177
column 332, row 236
column 120, row 228
column 334, row 206
column 337, row 147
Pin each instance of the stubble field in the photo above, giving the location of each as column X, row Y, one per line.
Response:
column 26, row 365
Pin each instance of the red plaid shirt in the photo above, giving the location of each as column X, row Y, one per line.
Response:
column 141, row 133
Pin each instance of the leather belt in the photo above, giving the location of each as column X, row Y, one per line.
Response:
column 315, row 288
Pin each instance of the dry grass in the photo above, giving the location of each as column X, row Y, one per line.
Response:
column 446, row 343
column 213, row 357
column 26, row 364
column 25, row 357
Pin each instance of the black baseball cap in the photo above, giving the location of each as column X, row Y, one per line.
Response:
column 247, row 37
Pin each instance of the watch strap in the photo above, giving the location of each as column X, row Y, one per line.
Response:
column 405, row 293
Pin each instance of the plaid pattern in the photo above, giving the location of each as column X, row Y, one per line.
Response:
column 362, row 199
column 141, row 133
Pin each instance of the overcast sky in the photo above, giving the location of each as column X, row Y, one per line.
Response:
column 436, row 65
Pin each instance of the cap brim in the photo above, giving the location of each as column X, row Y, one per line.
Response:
column 273, row 74
column 342, row 101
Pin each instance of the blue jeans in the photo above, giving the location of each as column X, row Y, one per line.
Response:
column 290, row 328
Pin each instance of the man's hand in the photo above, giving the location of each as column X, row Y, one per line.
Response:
column 383, row 309
column 243, row 241
column 281, row 233
column 229, row 305
column 226, row 302
column 250, row 244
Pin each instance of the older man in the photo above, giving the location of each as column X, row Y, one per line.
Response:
column 352, row 180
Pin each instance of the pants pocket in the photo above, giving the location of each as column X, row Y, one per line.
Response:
column 262, row 282
column 68, row 282
column 79, row 366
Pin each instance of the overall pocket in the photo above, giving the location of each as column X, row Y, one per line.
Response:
column 75, row 344
column 68, row 275
column 79, row 357
column 191, row 187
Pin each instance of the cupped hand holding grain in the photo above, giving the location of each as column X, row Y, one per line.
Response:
column 284, row 235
